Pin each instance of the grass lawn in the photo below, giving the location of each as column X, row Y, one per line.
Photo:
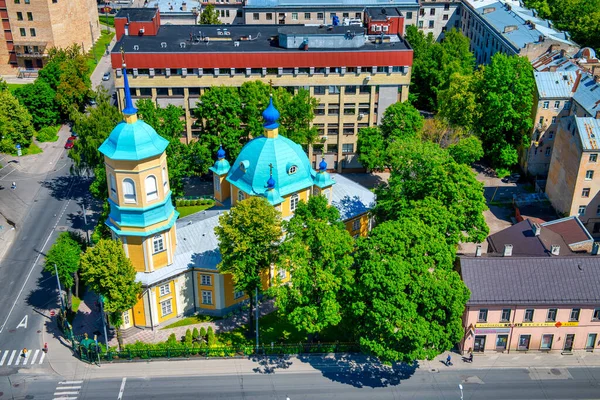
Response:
column 110, row 21
column 13, row 86
column 75, row 302
column 187, row 210
column 98, row 50
column 195, row 319
column 32, row 149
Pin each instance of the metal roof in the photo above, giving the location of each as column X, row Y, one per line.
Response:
column 555, row 85
column 328, row 3
column 133, row 142
column 588, row 94
column 350, row 198
column 532, row 280
column 589, row 132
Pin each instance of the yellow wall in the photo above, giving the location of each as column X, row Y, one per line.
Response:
column 159, row 299
column 210, row 288
column 234, row 195
column 225, row 188
column 364, row 226
column 285, row 206
column 138, row 312
column 160, row 259
column 230, row 291
column 136, row 253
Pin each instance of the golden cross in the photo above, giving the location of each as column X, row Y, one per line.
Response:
column 122, row 55
column 271, row 169
column 271, row 85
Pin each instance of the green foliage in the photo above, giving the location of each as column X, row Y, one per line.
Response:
column 435, row 62
column 188, row 339
column 400, row 121
column 428, row 183
column 15, row 123
column 39, row 99
column 65, row 253
column 172, row 340
column 457, row 104
column 504, row 91
column 101, row 231
column 48, row 134
column 195, row 334
column 202, row 332
column 211, row 339
column 317, row 251
column 209, row 15
column 467, row 150
column 407, row 301
column 108, row 272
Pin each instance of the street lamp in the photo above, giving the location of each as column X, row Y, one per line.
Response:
column 461, row 391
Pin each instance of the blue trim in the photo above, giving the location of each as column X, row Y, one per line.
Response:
column 129, row 108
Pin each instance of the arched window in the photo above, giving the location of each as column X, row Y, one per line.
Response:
column 129, row 191
column 241, row 195
column 151, row 190
column 158, row 244
column 113, row 186
column 294, row 202
column 165, row 179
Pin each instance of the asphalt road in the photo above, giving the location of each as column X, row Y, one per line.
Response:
column 27, row 294
column 498, row 384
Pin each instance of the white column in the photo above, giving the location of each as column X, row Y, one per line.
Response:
column 169, row 248
column 177, row 284
column 149, row 252
column 219, row 291
column 125, row 247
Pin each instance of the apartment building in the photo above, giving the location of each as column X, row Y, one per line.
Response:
column 504, row 26
column 436, row 17
column 355, row 78
column 31, row 27
column 187, row 12
column 531, row 304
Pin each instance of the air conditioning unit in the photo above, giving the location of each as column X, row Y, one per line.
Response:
column 142, row 31
column 361, row 116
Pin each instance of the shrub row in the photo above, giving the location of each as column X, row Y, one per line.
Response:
column 188, row 203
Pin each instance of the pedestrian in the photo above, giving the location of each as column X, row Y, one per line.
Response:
column 471, row 357
column 14, row 185
column 448, row 361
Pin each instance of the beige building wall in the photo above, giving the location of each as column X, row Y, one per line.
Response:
column 436, row 17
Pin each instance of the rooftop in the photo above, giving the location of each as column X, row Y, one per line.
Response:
column 174, row 6
column 328, row 3
column 526, row 26
column 589, row 132
column 587, row 94
column 381, row 13
column 350, row 198
column 137, row 14
column 571, row 229
column 239, row 39
column 555, row 85
column 528, row 280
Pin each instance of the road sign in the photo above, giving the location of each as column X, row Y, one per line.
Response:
column 52, row 313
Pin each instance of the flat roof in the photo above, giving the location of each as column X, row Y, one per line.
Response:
column 328, row 3
column 251, row 38
column 381, row 13
column 589, row 132
column 174, row 6
column 137, row 14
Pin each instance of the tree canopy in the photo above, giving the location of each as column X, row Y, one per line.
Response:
column 407, row 301
column 39, row 99
column 467, row 150
column 108, row 272
column 15, row 122
column 65, row 253
column 209, row 15
column 317, row 252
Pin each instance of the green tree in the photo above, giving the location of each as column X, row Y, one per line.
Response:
column 407, row 301
column 400, row 121
column 16, row 123
column 427, row 182
column 65, row 253
column 317, row 251
column 504, row 92
column 457, row 104
column 39, row 99
column 249, row 235
column 467, row 150
column 296, row 117
column 209, row 16
column 109, row 273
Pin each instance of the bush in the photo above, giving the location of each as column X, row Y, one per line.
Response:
column 203, row 333
column 502, row 172
column 187, row 203
column 210, row 337
column 178, row 203
column 188, row 338
column 195, row 334
column 172, row 340
column 48, row 134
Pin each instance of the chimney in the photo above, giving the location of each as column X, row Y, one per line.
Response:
column 598, row 114
column 537, row 229
column 577, row 80
column 555, row 250
column 595, row 248
column 510, row 28
column 508, row 250
column 478, row 251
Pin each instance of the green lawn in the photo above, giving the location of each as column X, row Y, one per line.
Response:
column 187, row 210
column 13, row 86
column 110, row 21
column 98, row 50
column 75, row 302
column 195, row 319
column 32, row 149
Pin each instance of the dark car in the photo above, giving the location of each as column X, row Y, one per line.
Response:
column 70, row 142
column 514, row 178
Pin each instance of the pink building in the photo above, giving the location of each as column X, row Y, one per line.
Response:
column 532, row 303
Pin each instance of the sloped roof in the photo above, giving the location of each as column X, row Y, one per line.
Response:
column 571, row 229
column 587, row 94
column 589, row 132
column 350, row 198
column 532, row 280
column 525, row 243
column 133, row 142
column 555, row 85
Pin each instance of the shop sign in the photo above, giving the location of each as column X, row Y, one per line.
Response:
column 484, row 331
column 491, row 325
column 525, row 324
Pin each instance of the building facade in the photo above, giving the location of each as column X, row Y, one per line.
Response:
column 355, row 78
column 177, row 260
column 30, row 28
column 436, row 17
column 514, row 307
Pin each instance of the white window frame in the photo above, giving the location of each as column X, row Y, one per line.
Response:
column 294, row 200
column 581, row 210
column 126, row 320
column 356, row 224
column 217, row 183
column 207, row 297
column 590, row 173
column 158, row 244
column 129, row 195
column 206, row 280
column 166, row 307
column 293, row 169
column 165, row 178
column 556, row 104
column 241, row 196
column 151, row 188
column 281, row 273
column 113, row 186
column 546, row 105
column 164, row 290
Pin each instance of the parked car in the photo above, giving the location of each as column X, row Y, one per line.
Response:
column 106, row 76
column 70, row 142
column 513, row 178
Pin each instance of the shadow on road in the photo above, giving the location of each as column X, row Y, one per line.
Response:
column 268, row 365
column 360, row 373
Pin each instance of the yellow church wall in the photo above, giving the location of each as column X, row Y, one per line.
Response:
column 173, row 234
column 160, row 259
column 136, row 252
column 168, row 296
column 209, row 288
column 285, row 206
column 136, row 166
column 229, row 288
column 138, row 313
column 225, row 188
column 363, row 229
column 234, row 195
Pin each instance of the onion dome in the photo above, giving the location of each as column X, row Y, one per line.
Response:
column 271, row 116
column 221, row 153
column 271, row 183
column 323, row 165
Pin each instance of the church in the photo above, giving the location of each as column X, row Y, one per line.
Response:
column 176, row 260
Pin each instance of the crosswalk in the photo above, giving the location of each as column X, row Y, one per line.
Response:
column 67, row 390
column 15, row 358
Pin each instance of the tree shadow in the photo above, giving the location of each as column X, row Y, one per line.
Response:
column 69, row 187
column 269, row 364
column 368, row 179
column 360, row 371
column 45, row 296
column 484, row 169
column 351, row 206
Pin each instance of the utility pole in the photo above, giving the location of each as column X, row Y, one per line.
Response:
column 62, row 302
column 103, row 321
column 87, row 233
column 256, row 317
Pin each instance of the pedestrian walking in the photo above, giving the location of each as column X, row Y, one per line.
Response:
column 448, row 360
column 14, row 185
column 471, row 357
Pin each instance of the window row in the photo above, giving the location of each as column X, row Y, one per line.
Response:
column 524, row 343
column 528, row 315
column 20, row 16
column 23, row 32
column 129, row 190
column 306, row 15
column 557, row 104
column 334, row 129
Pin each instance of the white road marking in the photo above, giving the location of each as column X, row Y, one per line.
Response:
column 18, row 360
column 25, row 358
column 37, row 259
column 69, row 382
column 122, row 389
column 64, row 393
column 42, row 357
column 12, row 355
column 69, row 387
column 65, row 398
column 34, row 356
column 4, row 357
column 23, row 323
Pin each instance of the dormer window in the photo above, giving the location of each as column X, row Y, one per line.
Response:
column 244, row 165
column 292, row 170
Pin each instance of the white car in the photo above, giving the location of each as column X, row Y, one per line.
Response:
column 106, row 76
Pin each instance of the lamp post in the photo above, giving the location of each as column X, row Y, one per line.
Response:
column 256, row 305
column 62, row 301
column 461, row 391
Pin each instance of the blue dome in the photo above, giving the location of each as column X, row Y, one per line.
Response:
column 271, row 115
column 323, row 165
column 133, row 142
column 221, row 153
column 271, row 183
column 291, row 168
